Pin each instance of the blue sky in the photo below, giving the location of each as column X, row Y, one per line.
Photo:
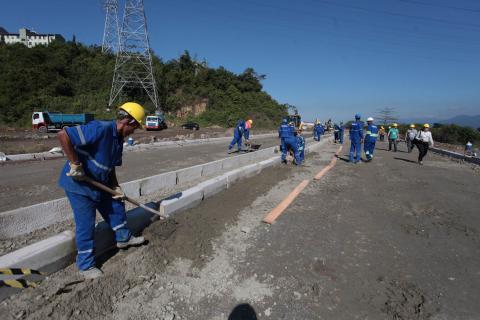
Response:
column 331, row 58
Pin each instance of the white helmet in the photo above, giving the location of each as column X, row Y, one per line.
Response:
column 370, row 119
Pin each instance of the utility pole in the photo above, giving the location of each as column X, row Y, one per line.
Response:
column 110, row 32
column 133, row 67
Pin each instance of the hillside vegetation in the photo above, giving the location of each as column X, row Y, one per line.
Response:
column 71, row 77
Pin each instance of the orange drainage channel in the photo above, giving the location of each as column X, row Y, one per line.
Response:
column 278, row 210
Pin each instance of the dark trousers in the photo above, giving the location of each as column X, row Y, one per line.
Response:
column 422, row 149
column 394, row 142
column 410, row 145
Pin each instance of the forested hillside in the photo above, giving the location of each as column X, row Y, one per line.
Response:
column 71, row 77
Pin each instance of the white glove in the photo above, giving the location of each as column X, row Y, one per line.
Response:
column 76, row 171
column 120, row 194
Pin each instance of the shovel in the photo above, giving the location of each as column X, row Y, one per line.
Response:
column 114, row 193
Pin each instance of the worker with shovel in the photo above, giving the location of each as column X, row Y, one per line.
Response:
column 93, row 151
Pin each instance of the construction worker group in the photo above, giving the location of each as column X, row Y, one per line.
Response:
column 422, row 139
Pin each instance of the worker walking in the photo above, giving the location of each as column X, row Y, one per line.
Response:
column 423, row 141
column 381, row 133
column 94, row 150
column 341, row 131
column 393, row 137
column 286, row 133
column 410, row 136
column 370, row 139
column 237, row 135
column 318, row 130
column 356, row 139
column 336, row 133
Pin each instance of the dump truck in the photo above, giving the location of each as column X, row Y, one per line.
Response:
column 45, row 121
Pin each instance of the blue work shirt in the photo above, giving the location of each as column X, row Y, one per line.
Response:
column 356, row 131
column 99, row 149
column 286, row 131
column 372, row 133
column 239, row 128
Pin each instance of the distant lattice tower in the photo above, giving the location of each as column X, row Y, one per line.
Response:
column 110, row 31
column 133, row 68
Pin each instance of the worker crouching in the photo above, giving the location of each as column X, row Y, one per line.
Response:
column 94, row 150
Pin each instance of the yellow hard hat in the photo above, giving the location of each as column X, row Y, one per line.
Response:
column 426, row 125
column 135, row 110
column 250, row 120
column 395, row 125
column 412, row 126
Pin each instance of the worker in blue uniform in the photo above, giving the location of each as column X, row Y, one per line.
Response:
column 341, row 131
column 237, row 135
column 317, row 130
column 286, row 133
column 94, row 150
column 356, row 139
column 370, row 139
column 301, row 145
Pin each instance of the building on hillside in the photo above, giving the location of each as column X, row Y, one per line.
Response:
column 28, row 38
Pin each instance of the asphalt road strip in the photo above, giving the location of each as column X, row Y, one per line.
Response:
column 280, row 208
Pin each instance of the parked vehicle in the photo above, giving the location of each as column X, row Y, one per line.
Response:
column 156, row 122
column 191, row 126
column 49, row 121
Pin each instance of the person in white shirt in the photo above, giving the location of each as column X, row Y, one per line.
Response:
column 410, row 136
column 423, row 140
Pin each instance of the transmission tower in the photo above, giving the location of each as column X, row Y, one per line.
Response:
column 110, row 31
column 133, row 68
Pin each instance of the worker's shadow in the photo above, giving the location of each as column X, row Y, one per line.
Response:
column 243, row 311
column 406, row 160
column 385, row 149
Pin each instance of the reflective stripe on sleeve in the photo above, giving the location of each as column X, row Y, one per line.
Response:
column 80, row 134
column 95, row 162
column 85, row 251
column 373, row 135
column 119, row 226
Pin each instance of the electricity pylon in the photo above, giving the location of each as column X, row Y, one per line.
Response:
column 110, row 31
column 133, row 68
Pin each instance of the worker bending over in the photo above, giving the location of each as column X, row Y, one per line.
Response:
column 94, row 150
column 356, row 139
column 370, row 139
column 248, row 126
column 237, row 135
column 286, row 133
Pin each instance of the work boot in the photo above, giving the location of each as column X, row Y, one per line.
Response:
column 91, row 273
column 133, row 241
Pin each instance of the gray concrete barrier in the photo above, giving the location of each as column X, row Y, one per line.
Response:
column 456, row 155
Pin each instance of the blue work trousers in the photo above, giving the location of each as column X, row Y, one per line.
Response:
column 84, row 212
column 355, row 147
column 237, row 139
column 369, row 148
column 291, row 142
column 317, row 135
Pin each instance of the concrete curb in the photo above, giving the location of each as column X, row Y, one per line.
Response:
column 456, row 155
column 57, row 252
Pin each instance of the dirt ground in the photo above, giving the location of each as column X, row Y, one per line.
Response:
column 16, row 141
column 387, row 239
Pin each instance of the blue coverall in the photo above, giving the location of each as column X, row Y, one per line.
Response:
column 301, row 147
column 370, row 139
column 341, row 132
column 237, row 135
column 99, row 149
column 287, row 137
column 356, row 136
column 318, row 130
